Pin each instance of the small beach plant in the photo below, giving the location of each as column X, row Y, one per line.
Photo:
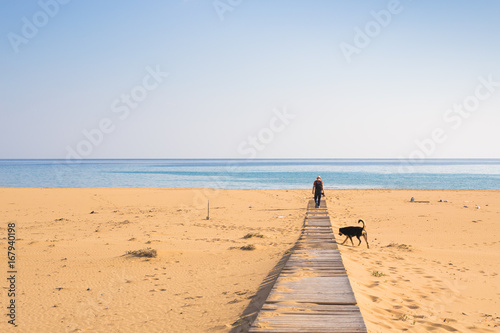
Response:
column 149, row 253
column 250, row 235
column 378, row 274
column 249, row 247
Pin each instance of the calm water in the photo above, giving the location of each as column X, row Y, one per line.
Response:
column 254, row 174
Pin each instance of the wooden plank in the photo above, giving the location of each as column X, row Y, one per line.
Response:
column 306, row 264
column 315, row 271
column 310, row 215
column 347, row 318
column 325, row 241
column 315, row 323
column 320, row 290
column 316, row 246
column 318, row 229
column 310, row 263
column 314, row 234
column 317, row 237
column 308, row 240
column 312, row 204
column 316, row 267
column 332, row 260
column 318, row 223
column 311, row 269
column 305, row 255
column 305, row 307
column 313, row 207
column 324, row 273
column 331, row 252
column 317, row 217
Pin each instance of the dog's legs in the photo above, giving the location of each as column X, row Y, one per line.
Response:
column 345, row 240
column 350, row 237
column 365, row 235
column 359, row 239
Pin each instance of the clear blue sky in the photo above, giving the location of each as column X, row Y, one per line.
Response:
column 69, row 68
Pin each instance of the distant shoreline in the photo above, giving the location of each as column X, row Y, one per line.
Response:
column 245, row 189
column 253, row 174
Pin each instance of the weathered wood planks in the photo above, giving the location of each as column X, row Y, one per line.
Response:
column 312, row 292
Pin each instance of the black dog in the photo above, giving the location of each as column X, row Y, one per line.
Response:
column 354, row 231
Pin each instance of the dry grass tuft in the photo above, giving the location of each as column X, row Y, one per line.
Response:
column 378, row 274
column 149, row 253
column 250, row 235
column 403, row 247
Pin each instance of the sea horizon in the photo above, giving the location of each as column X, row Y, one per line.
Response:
column 262, row 173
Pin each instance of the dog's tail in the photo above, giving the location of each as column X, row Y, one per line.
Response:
column 363, row 223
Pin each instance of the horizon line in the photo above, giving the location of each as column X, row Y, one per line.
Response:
column 254, row 159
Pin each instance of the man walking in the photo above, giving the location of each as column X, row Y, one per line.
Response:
column 317, row 191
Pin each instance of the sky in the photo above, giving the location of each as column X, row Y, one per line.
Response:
column 249, row 79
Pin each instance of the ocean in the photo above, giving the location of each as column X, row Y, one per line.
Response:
column 254, row 173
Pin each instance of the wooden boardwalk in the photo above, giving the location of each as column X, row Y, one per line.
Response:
column 312, row 292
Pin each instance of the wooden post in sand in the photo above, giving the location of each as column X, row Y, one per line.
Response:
column 208, row 210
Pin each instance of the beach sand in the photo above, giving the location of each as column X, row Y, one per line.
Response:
column 430, row 267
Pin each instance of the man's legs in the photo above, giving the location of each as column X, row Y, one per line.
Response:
column 317, row 198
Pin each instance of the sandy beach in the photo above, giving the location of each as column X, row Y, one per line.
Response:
column 431, row 266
